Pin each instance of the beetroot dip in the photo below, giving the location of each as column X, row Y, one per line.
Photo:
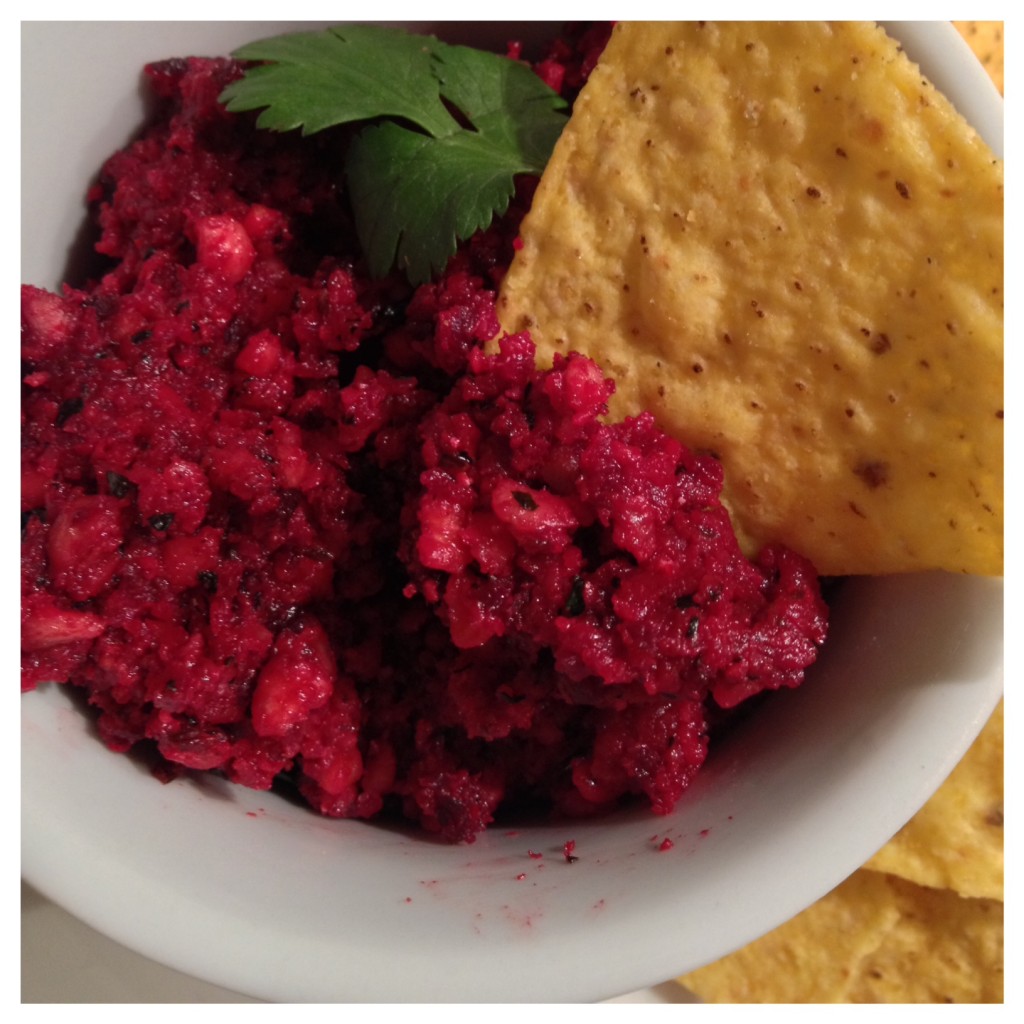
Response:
column 296, row 526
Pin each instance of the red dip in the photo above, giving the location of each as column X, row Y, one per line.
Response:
column 298, row 527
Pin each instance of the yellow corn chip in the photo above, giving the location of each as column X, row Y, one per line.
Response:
column 788, row 246
column 985, row 38
column 810, row 958
column 874, row 938
column 956, row 840
column 943, row 949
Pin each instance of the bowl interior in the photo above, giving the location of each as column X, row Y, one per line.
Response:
column 259, row 895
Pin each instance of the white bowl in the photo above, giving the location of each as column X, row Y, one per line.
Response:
column 260, row 896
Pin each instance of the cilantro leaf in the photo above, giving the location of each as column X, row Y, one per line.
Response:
column 451, row 186
column 414, row 197
column 504, row 101
column 449, row 128
column 314, row 80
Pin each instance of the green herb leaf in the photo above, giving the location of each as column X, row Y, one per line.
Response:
column 452, row 126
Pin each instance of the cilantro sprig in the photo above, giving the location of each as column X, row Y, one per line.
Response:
column 447, row 129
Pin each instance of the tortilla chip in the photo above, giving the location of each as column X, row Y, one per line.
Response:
column 985, row 38
column 943, row 949
column 956, row 840
column 873, row 939
column 788, row 246
column 810, row 958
